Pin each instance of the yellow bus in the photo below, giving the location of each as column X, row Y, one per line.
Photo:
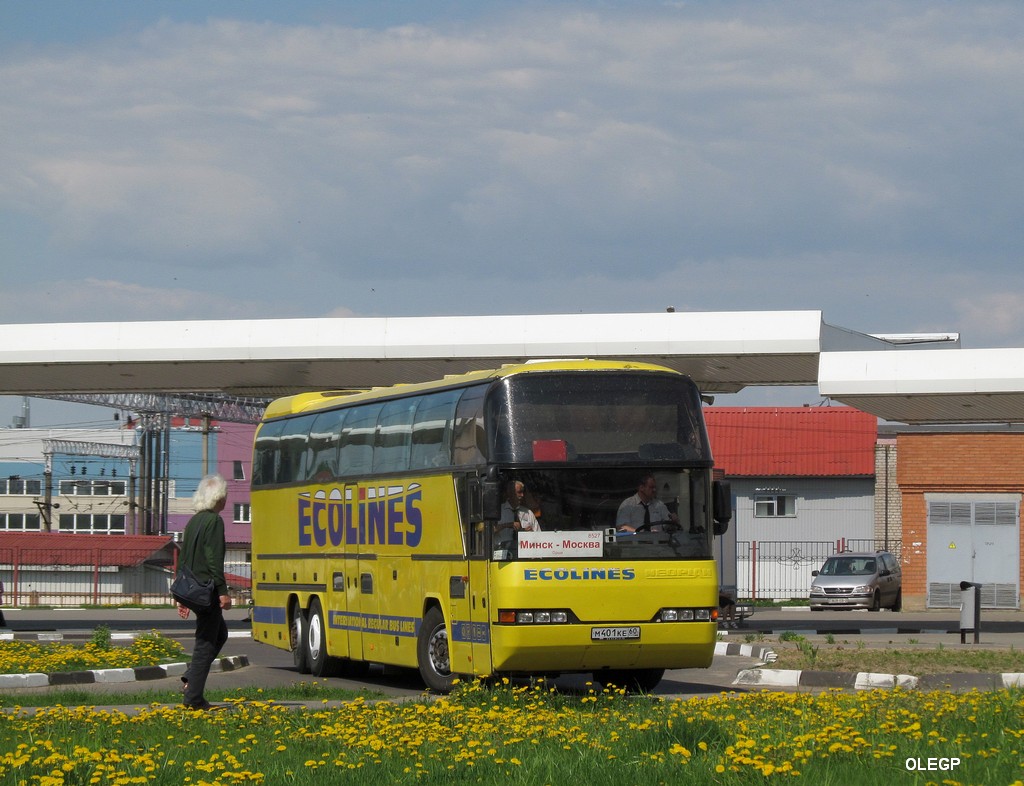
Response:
column 378, row 532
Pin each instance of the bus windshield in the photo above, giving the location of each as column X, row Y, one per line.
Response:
column 609, row 418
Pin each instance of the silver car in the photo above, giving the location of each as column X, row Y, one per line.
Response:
column 863, row 580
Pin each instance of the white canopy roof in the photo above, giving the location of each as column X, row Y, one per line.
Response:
column 941, row 386
column 723, row 352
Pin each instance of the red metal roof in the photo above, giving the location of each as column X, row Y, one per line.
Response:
column 238, row 582
column 59, row 548
column 792, row 441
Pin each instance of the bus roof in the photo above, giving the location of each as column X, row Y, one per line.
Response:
column 306, row 402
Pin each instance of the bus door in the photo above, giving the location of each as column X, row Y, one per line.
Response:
column 470, row 647
column 367, row 599
column 354, row 583
column 468, row 595
column 479, row 612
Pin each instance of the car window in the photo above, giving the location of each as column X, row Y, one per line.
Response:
column 869, row 567
column 836, row 567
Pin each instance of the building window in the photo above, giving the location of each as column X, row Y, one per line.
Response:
column 92, row 488
column 99, row 523
column 239, row 470
column 767, row 506
column 19, row 522
column 15, row 485
column 243, row 513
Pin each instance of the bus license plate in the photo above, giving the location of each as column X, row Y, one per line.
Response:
column 615, row 634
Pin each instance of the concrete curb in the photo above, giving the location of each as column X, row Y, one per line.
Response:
column 139, row 674
column 114, row 635
column 793, row 678
column 763, row 654
column 894, row 631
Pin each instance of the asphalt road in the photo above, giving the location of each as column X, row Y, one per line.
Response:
column 763, row 620
column 270, row 667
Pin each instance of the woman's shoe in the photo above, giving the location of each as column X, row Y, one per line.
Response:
column 198, row 706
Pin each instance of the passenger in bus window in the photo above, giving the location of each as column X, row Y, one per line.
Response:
column 515, row 515
column 644, row 511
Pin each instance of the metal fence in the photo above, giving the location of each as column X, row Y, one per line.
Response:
column 781, row 569
column 764, row 570
column 32, row 577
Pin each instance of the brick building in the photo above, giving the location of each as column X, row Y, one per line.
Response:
column 960, row 493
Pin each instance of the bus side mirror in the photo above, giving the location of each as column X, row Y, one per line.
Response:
column 721, row 500
column 491, row 494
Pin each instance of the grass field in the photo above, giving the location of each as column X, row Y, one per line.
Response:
column 512, row 734
column 529, row 735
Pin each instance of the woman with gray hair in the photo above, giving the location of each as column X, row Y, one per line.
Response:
column 203, row 551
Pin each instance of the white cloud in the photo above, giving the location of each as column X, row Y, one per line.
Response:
column 746, row 155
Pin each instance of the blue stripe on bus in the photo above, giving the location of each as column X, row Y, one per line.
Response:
column 269, row 615
column 473, row 632
column 374, row 623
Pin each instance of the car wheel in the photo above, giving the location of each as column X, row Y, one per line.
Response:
column 876, row 601
column 897, row 605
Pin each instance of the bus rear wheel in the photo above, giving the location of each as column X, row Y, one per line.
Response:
column 320, row 663
column 297, row 639
column 432, row 652
column 632, row 680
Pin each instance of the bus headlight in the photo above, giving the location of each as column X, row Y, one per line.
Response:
column 533, row 616
column 683, row 615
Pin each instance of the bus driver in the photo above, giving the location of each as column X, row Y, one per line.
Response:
column 644, row 511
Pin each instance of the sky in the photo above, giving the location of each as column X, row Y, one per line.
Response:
column 246, row 159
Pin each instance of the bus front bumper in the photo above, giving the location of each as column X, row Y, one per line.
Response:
column 572, row 648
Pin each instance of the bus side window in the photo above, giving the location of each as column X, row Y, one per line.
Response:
column 432, row 430
column 357, row 438
column 324, row 438
column 469, row 440
column 294, row 439
column 474, row 533
column 265, row 456
column 394, row 436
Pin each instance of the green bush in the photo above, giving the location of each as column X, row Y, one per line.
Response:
column 101, row 637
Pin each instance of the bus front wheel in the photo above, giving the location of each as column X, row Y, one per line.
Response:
column 432, row 652
column 297, row 639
